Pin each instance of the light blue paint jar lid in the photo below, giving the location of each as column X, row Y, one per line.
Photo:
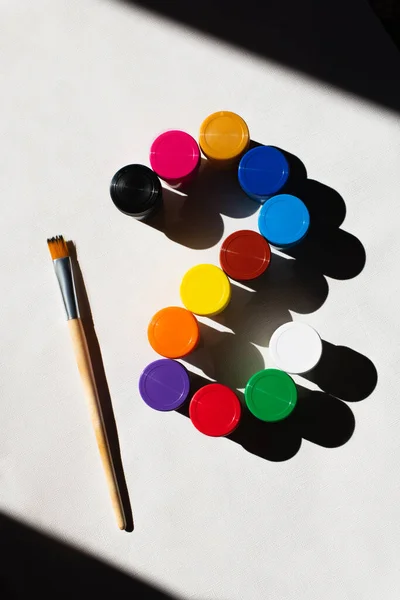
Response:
column 263, row 171
column 284, row 220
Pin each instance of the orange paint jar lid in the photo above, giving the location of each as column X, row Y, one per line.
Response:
column 224, row 136
column 173, row 332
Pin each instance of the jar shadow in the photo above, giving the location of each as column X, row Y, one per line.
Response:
column 318, row 418
column 225, row 357
column 344, row 373
column 193, row 217
column 260, row 306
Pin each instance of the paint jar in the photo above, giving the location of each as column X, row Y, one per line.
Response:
column 270, row 395
column 215, row 410
column 136, row 191
column 284, row 221
column 224, row 136
column 175, row 157
column 173, row 332
column 295, row 347
column 205, row 290
column 245, row 255
column 164, row 385
column 263, row 171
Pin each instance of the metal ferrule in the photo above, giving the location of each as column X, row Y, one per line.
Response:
column 63, row 269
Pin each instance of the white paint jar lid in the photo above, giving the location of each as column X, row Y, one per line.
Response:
column 295, row 347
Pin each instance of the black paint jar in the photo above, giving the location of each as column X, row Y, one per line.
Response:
column 136, row 191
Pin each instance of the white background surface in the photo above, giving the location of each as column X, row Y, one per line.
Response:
column 86, row 86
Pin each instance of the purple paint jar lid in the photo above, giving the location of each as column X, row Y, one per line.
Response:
column 164, row 384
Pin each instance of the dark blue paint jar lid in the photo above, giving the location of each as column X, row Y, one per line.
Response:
column 263, row 171
column 284, row 220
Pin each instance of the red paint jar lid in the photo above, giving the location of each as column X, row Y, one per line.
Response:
column 215, row 410
column 245, row 255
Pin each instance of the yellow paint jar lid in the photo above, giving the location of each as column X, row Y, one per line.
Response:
column 205, row 290
column 224, row 136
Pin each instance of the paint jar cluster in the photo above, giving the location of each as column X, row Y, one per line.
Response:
column 263, row 173
column 174, row 332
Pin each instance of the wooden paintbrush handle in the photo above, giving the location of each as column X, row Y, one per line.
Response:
column 86, row 370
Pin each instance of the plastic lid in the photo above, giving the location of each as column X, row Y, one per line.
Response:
column 283, row 220
column 295, row 347
column 164, row 384
column 215, row 410
column 245, row 255
column 173, row 332
column 205, row 290
column 135, row 189
column 223, row 136
column 174, row 155
column 263, row 171
column 271, row 395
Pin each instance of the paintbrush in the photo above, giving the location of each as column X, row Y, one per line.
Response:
column 65, row 275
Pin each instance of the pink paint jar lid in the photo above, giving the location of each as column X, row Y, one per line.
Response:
column 174, row 155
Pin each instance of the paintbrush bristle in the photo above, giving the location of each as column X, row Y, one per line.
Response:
column 58, row 247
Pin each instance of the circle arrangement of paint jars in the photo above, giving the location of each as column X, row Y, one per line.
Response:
column 173, row 332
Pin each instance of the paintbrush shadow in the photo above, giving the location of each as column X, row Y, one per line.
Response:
column 102, row 384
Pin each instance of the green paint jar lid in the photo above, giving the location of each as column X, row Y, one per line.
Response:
column 271, row 395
